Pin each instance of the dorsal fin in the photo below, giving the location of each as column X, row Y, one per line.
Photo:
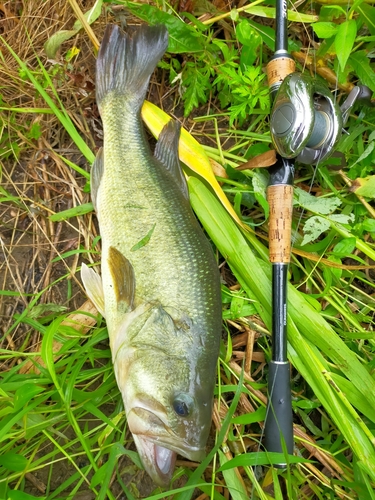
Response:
column 123, row 277
column 166, row 152
column 96, row 175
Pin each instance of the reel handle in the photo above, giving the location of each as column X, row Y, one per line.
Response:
column 361, row 94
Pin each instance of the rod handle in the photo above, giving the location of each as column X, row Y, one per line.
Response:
column 280, row 199
column 279, row 419
column 278, row 68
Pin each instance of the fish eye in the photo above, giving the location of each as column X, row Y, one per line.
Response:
column 183, row 405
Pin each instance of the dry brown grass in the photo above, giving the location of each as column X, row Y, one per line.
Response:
column 39, row 180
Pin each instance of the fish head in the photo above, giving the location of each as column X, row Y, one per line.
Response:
column 167, row 385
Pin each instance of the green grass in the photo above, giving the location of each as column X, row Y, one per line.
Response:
column 63, row 431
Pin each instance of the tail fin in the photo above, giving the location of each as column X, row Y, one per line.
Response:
column 125, row 64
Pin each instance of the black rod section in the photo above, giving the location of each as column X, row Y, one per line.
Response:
column 279, row 419
column 281, row 36
column 279, row 312
column 278, row 428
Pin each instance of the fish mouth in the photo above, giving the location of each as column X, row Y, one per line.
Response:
column 158, row 445
column 159, row 462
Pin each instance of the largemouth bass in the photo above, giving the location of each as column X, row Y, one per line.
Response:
column 159, row 288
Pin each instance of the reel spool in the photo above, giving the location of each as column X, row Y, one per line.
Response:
column 306, row 123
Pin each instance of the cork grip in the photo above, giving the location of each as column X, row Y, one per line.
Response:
column 278, row 69
column 280, row 199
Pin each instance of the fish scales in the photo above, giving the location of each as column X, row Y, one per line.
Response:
column 136, row 194
column 160, row 287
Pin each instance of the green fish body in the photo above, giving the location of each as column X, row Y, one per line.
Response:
column 160, row 287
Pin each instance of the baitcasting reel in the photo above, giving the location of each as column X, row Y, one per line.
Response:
column 306, row 123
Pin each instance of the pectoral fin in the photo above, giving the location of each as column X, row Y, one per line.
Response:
column 166, row 152
column 123, row 277
column 94, row 288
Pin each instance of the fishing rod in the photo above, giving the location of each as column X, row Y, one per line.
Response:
column 305, row 124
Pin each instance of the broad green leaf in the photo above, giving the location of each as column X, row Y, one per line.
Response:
column 250, row 40
column 24, row 394
column 13, row 462
column 325, row 29
column 369, row 225
column 341, row 218
column 54, row 43
column 368, row 15
column 362, row 67
column 316, row 204
column 234, row 15
column 239, row 308
column 344, row 247
column 41, row 309
column 267, row 33
column 245, row 33
column 312, row 301
column 313, row 228
column 251, row 418
column 306, row 404
column 365, row 186
column 329, row 12
column 182, row 37
column 249, row 54
column 344, row 41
